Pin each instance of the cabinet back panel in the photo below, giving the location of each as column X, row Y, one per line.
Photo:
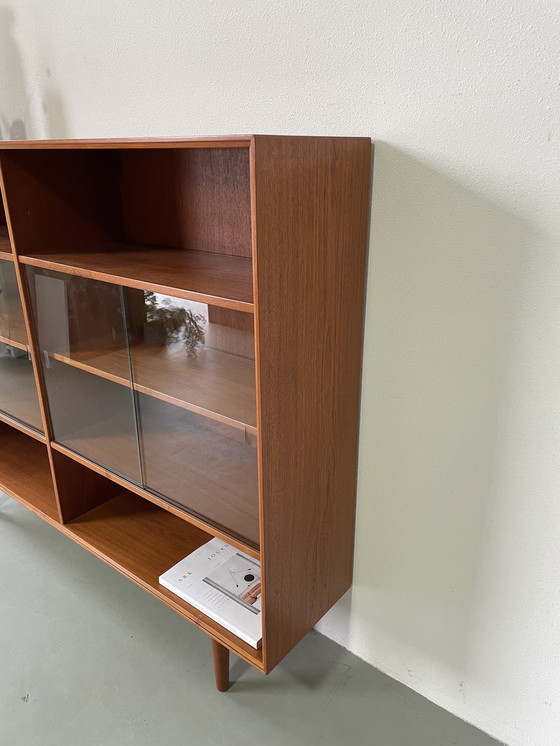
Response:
column 190, row 199
column 62, row 201
column 80, row 489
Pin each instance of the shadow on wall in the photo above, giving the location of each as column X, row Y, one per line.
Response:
column 446, row 270
column 16, row 120
column 14, row 94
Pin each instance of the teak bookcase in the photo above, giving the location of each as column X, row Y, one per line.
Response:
column 140, row 447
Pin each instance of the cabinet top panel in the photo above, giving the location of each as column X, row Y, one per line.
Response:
column 214, row 141
column 222, row 141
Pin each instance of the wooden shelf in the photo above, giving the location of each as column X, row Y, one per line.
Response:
column 13, row 343
column 142, row 541
column 25, row 472
column 22, row 427
column 5, row 245
column 215, row 384
column 201, row 276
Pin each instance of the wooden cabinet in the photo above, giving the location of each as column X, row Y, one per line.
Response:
column 191, row 329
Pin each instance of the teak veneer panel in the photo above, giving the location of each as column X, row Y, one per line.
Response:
column 191, row 199
column 195, row 275
column 310, row 204
column 79, row 489
column 59, row 200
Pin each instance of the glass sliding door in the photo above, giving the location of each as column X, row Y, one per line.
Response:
column 18, row 392
column 84, row 353
column 157, row 389
column 193, row 369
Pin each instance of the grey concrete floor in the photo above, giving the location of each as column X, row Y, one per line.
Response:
column 89, row 659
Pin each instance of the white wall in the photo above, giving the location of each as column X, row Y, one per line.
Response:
column 457, row 567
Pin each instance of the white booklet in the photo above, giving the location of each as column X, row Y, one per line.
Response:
column 225, row 584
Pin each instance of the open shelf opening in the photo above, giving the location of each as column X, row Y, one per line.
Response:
column 142, row 541
column 174, row 220
column 25, row 472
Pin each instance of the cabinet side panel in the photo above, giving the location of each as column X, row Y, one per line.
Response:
column 310, row 201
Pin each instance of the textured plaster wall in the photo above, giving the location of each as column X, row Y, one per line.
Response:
column 457, row 560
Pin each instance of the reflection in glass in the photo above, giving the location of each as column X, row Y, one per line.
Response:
column 194, row 355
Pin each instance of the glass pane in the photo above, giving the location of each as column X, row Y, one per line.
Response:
column 200, row 464
column 84, row 353
column 12, row 325
column 18, row 392
column 194, row 370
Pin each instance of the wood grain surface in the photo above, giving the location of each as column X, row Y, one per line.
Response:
column 190, row 199
column 66, row 200
column 195, row 275
column 79, row 489
column 220, row 655
column 310, row 204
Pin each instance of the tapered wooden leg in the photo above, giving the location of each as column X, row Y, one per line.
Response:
column 221, row 666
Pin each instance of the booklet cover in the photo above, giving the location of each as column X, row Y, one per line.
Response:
column 225, row 584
